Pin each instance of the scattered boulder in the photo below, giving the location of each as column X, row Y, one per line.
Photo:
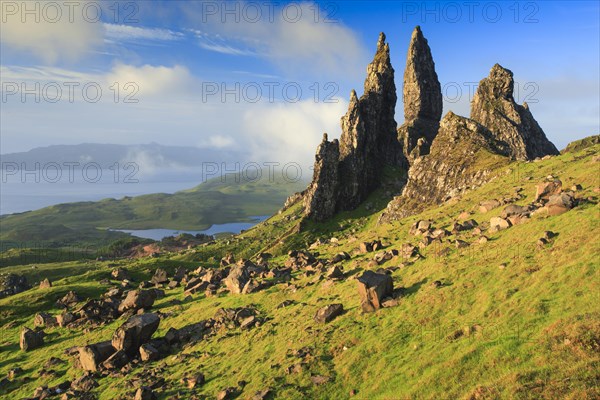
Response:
column 68, row 300
column 31, row 339
column 180, row 274
column 300, row 259
column 145, row 393
column 227, row 393
column 84, row 383
column 408, row 250
column 45, row 284
column 248, row 322
column 514, row 210
column 560, row 203
column 373, row 288
column 14, row 373
column 137, row 299
column 237, row 279
column 160, row 276
column 340, row 257
column 328, row 313
column 149, row 352
column 488, row 205
column 367, row 247
column 544, row 190
column 227, row 260
column 120, row 274
column 93, row 355
column 135, row 332
column 262, row 394
column 335, row 273
column 251, row 286
column 499, row 224
column 116, row 361
column 44, row 319
column 319, row 379
column 11, row 284
column 194, row 380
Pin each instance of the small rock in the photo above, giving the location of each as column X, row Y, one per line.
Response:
column 30, row 339
column 328, row 313
column 149, row 352
column 45, row 284
column 145, row 393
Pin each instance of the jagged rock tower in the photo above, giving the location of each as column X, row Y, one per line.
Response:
column 446, row 158
column 422, row 96
column 368, row 143
column 495, row 108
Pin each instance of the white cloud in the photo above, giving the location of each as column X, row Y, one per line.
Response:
column 292, row 131
column 309, row 44
column 153, row 80
column 117, row 32
column 217, row 142
column 49, row 33
column 216, row 43
column 149, row 81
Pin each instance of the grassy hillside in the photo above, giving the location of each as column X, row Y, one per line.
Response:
column 230, row 199
column 511, row 320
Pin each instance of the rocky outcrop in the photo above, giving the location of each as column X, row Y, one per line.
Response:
column 495, row 108
column 368, row 143
column 461, row 158
column 321, row 195
column 369, row 140
column 422, row 96
column 11, row 284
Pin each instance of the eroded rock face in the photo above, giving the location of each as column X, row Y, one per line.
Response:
column 422, row 96
column 368, row 143
column 369, row 139
column 321, row 195
column 495, row 108
column 461, row 158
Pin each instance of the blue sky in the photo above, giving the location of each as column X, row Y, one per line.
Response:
column 177, row 52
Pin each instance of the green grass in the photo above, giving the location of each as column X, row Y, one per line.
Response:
column 529, row 331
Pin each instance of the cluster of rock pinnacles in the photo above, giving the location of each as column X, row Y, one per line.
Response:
column 347, row 171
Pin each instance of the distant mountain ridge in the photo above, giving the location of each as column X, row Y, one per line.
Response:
column 105, row 155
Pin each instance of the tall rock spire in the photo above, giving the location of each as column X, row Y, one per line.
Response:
column 495, row 108
column 369, row 140
column 367, row 145
column 422, row 96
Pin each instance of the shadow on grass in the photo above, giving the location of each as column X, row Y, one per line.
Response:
column 414, row 288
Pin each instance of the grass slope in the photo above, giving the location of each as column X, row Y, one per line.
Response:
column 528, row 331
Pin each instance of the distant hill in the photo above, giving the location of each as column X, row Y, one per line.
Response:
column 216, row 201
column 105, row 155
